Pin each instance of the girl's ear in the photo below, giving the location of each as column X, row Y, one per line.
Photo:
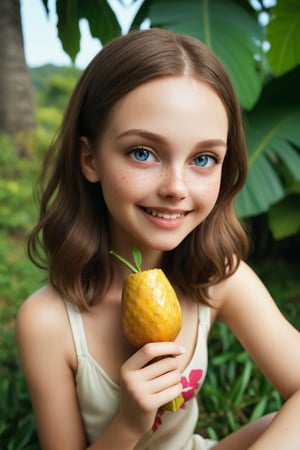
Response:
column 87, row 160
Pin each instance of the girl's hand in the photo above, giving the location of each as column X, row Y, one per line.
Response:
column 149, row 379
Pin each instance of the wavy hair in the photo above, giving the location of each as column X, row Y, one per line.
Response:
column 70, row 239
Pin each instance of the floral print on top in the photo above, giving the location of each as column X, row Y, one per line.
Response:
column 190, row 386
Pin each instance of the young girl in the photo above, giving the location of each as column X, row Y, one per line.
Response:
column 150, row 154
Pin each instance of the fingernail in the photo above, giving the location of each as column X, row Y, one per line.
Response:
column 182, row 349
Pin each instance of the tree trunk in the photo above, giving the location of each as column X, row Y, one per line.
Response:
column 16, row 99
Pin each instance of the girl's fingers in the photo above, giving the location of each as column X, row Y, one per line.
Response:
column 150, row 378
column 166, row 395
column 153, row 351
column 164, row 381
column 157, row 368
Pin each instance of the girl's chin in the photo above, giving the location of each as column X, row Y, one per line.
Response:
column 160, row 247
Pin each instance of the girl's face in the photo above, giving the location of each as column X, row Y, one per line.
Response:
column 159, row 162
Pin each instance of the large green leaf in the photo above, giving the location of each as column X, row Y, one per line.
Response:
column 272, row 134
column 101, row 18
column 68, row 26
column 230, row 30
column 283, row 33
column 284, row 217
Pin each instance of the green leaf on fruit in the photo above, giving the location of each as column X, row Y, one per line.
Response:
column 137, row 257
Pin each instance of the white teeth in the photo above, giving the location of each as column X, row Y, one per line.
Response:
column 162, row 214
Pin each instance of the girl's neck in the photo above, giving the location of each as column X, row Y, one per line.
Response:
column 150, row 259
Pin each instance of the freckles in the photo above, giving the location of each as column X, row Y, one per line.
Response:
column 115, row 185
column 142, row 179
column 124, row 180
column 133, row 183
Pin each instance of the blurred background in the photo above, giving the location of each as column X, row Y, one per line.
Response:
column 44, row 45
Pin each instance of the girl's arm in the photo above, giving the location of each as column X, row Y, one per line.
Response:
column 248, row 309
column 43, row 338
column 283, row 432
column 45, row 346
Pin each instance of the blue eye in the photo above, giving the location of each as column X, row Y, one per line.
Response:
column 141, row 154
column 204, row 161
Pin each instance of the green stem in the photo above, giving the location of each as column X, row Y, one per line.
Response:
column 124, row 261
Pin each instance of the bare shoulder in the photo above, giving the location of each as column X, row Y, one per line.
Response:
column 42, row 300
column 240, row 289
column 42, row 323
column 242, row 296
column 41, row 311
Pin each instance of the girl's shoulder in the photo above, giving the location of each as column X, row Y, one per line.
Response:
column 42, row 321
column 42, row 307
column 239, row 292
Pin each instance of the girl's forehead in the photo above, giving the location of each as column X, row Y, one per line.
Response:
column 170, row 106
column 166, row 92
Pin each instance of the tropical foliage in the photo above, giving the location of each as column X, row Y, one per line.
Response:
column 18, row 277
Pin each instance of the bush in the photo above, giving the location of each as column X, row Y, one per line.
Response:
column 18, row 277
column 17, row 426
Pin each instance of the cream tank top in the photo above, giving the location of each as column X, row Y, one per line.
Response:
column 98, row 395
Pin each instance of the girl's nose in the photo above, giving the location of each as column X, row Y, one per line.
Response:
column 173, row 184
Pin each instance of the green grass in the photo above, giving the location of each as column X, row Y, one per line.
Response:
column 18, row 278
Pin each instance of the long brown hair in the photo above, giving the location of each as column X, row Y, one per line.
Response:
column 70, row 239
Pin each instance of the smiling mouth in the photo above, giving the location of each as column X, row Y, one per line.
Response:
column 164, row 215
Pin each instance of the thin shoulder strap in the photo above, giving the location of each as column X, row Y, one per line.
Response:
column 77, row 328
column 205, row 317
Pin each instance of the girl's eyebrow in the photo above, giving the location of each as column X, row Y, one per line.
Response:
column 207, row 143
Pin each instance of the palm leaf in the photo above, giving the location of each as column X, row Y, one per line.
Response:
column 272, row 137
column 101, row 18
column 68, row 27
column 226, row 27
column 284, row 217
column 283, row 33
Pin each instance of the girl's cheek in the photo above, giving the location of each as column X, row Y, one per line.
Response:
column 211, row 189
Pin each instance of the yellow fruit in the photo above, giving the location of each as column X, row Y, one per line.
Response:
column 150, row 309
